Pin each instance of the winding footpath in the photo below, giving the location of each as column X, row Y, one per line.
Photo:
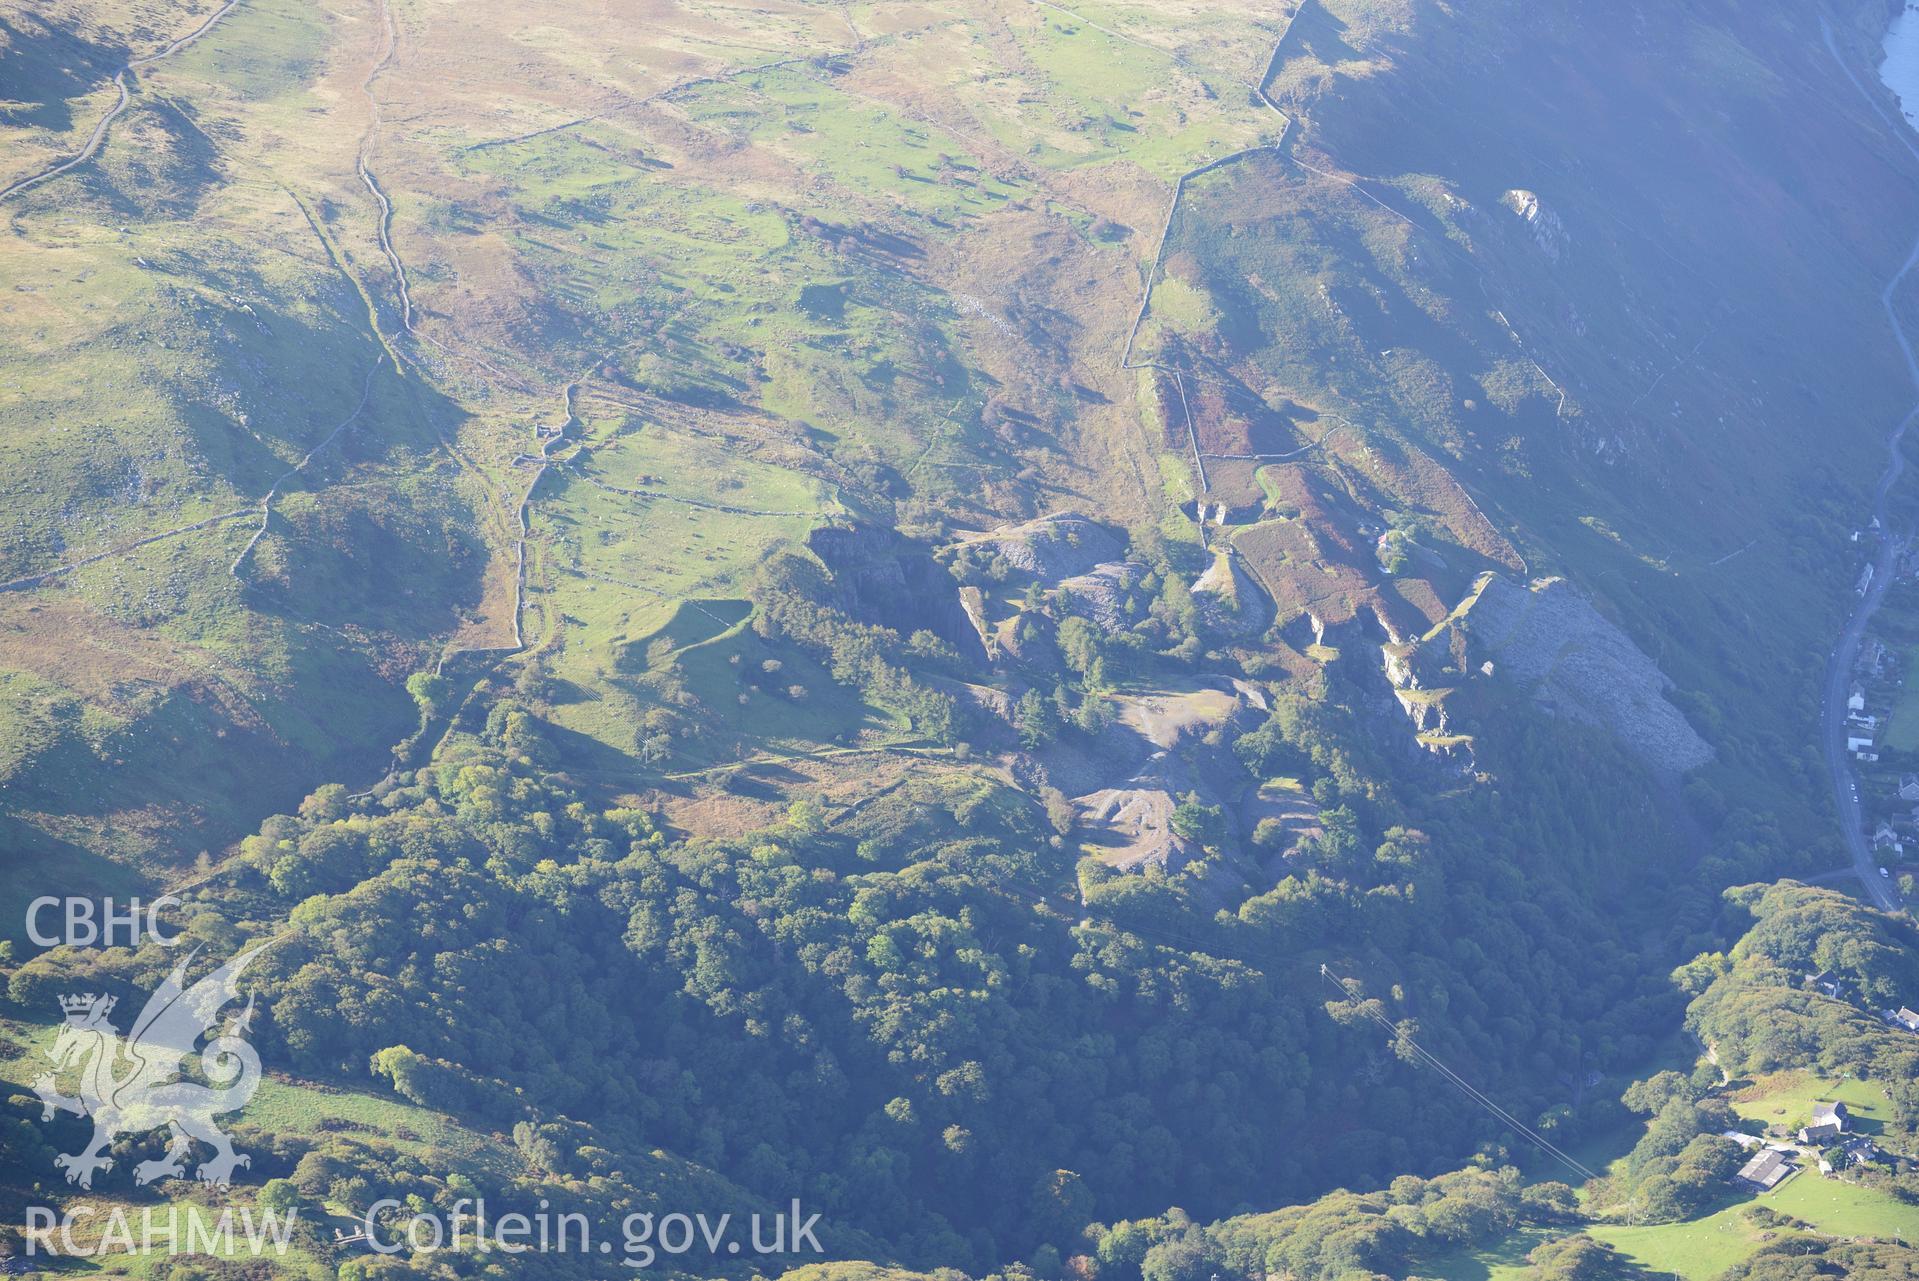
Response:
column 266, row 500
column 1845, row 786
column 121, row 549
column 99, row 134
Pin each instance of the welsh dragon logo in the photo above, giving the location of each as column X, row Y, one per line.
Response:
column 131, row 1085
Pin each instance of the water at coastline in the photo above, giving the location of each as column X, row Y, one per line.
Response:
column 1900, row 71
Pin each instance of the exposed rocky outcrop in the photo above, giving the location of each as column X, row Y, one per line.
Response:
column 1054, row 547
column 1426, row 708
column 1578, row 664
column 1548, row 231
column 884, row 578
column 1100, row 593
column 1403, row 699
column 1029, row 638
column 1230, row 601
column 1132, row 823
column 1160, row 748
column 1303, row 631
column 991, row 721
column 973, row 602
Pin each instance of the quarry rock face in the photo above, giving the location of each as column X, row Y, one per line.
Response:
column 1054, row 547
column 1136, row 817
column 1547, row 229
column 886, row 580
column 1578, row 664
column 1230, row 600
column 1100, row 593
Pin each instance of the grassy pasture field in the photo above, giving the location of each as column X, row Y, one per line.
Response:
column 1847, row 1210
column 1902, row 726
column 764, row 281
column 1111, row 98
column 1702, row 1248
column 1503, row 1261
column 1696, row 1250
column 283, row 1107
column 1786, row 1100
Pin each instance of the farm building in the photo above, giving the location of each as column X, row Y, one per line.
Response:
column 1765, row 1171
column 1828, row 1123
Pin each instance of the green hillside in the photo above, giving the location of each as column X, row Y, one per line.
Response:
column 1129, row 641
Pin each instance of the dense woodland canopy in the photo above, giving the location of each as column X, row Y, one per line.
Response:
column 927, row 1018
column 900, row 1011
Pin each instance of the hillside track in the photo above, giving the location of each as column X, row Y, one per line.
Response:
column 99, row 135
column 1283, row 147
column 48, row 575
column 266, row 500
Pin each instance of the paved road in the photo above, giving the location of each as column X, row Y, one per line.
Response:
column 1838, row 673
column 1845, row 787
